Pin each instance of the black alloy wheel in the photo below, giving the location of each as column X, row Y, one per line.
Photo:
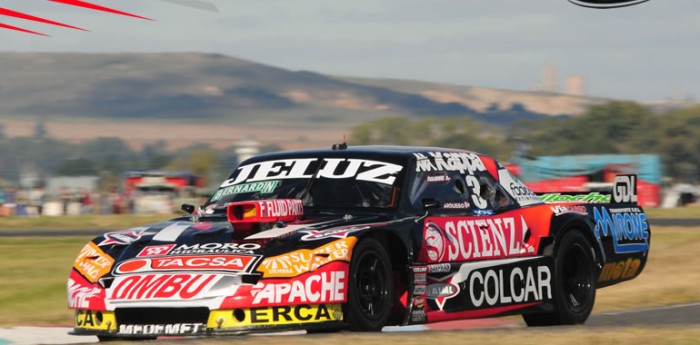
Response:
column 370, row 288
column 577, row 278
column 574, row 284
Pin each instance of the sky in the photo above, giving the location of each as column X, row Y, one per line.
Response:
column 644, row 52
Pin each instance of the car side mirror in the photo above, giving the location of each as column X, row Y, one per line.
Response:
column 187, row 208
column 430, row 204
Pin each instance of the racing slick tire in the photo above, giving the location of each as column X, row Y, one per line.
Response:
column 370, row 288
column 574, row 284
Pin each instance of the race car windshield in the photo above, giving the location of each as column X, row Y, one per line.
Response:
column 322, row 183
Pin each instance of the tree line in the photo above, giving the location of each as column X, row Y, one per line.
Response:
column 617, row 127
column 37, row 157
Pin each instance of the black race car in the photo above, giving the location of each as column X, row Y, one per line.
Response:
column 359, row 238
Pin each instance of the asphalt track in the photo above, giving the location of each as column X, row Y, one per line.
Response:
column 677, row 315
column 680, row 222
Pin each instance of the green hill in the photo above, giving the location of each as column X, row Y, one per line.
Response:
column 211, row 88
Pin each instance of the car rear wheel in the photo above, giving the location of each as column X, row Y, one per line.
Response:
column 370, row 287
column 574, row 284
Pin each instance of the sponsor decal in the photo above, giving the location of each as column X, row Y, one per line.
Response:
column 123, row 237
column 508, row 285
column 439, row 268
column 293, row 314
column 592, row 197
column 161, row 286
column 214, row 248
column 628, row 228
column 97, row 320
column 492, row 283
column 328, row 284
column 625, row 269
column 418, row 302
column 606, row 3
column 418, row 307
column 434, row 239
column 559, row 210
column 79, row 296
column 279, row 315
column 83, row 295
column 155, row 250
column 464, row 162
column 323, row 286
column 437, row 178
column 483, row 212
column 92, row 262
column 167, row 329
column 456, row 205
column 419, row 269
column 265, row 187
column 475, row 186
column 418, row 316
column 220, row 262
column 625, row 189
column 306, row 260
column 441, row 290
column 499, row 283
column 281, row 208
column 466, row 239
column 84, row 318
column 302, row 168
column 420, row 278
column 523, row 195
column 265, row 211
column 518, row 189
column 315, row 235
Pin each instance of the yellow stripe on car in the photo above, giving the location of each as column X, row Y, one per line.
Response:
column 95, row 320
column 281, row 315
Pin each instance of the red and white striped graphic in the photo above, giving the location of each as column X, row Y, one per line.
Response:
column 87, row 5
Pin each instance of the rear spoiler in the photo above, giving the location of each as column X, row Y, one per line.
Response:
column 622, row 191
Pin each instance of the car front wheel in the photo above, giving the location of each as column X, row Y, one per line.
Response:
column 370, row 289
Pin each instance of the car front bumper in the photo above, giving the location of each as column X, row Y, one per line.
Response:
column 150, row 322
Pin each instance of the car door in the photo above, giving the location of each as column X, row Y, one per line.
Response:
column 473, row 218
column 484, row 247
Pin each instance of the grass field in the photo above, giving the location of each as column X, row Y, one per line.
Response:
column 110, row 222
column 34, row 271
column 33, row 279
column 677, row 212
column 670, row 277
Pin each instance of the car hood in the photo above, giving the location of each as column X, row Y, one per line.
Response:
column 183, row 263
column 184, row 237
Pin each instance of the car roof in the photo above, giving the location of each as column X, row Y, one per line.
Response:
column 365, row 151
